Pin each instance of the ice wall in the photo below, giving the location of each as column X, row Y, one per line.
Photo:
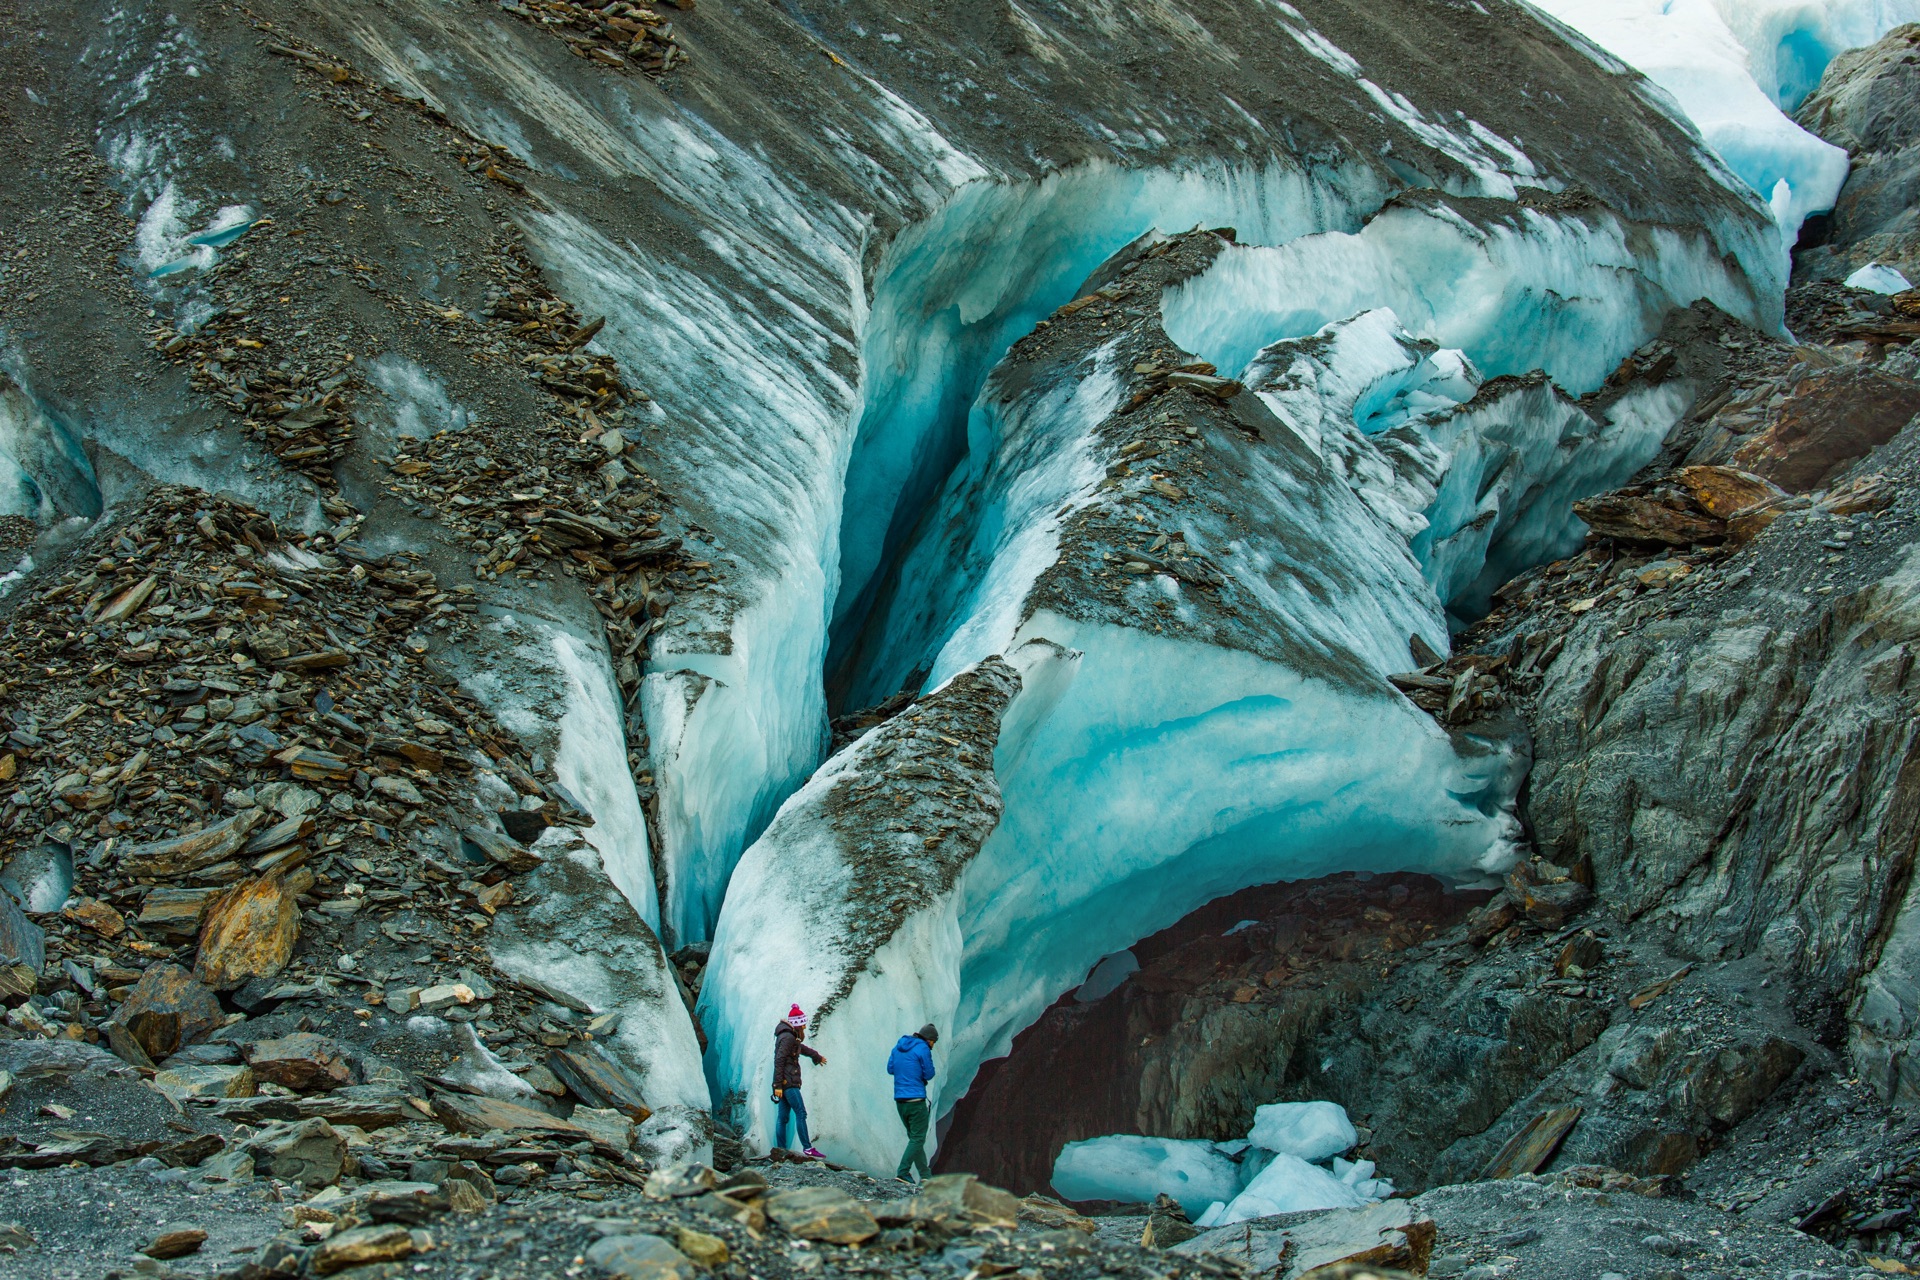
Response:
column 954, row 291
column 584, row 922
column 1516, row 289
column 801, row 460
column 1735, row 67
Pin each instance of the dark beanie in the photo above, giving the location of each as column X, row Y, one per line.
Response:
column 928, row 1033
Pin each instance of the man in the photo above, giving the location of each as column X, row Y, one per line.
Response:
column 789, row 1042
column 911, row 1066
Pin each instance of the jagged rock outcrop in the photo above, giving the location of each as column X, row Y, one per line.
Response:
column 1866, row 103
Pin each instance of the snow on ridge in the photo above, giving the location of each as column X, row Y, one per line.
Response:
column 1733, row 67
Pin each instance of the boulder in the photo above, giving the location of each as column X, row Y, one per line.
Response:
column 168, row 1010
column 953, row 1200
column 248, row 932
column 93, row 914
column 1724, row 491
column 308, row 1152
column 206, row 1081
column 1649, row 513
column 598, row 1081
column 176, row 913
column 175, row 1243
column 1167, row 1224
column 22, row 950
column 1046, row 1212
column 609, row 1127
column 360, row 1246
column 708, row 1251
column 58, row 1060
column 826, row 1214
column 642, row 1257
column 301, row 1061
column 191, row 852
column 464, row 1114
column 1388, row 1234
column 1552, row 905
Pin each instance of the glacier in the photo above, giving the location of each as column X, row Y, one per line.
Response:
column 893, row 355
column 1128, row 798
column 1735, row 68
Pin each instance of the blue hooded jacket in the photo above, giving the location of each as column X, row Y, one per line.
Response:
column 911, row 1066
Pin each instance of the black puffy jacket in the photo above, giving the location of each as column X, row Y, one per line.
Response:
column 787, row 1048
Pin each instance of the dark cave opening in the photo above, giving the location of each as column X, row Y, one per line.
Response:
column 1218, row 1019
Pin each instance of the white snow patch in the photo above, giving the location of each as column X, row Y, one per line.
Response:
column 1879, row 279
column 1308, row 1130
column 1734, row 67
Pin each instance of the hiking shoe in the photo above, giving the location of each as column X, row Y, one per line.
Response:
column 813, row 1154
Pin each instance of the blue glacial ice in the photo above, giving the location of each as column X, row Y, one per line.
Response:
column 1290, row 1163
column 1134, row 1170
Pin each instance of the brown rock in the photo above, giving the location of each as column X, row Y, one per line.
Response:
column 464, row 1114
column 177, row 1243
column 513, row 857
column 190, row 852
column 302, row 1061
column 1722, row 491
column 1582, row 952
column 91, row 913
column 1552, row 905
column 642, row 1257
column 1753, row 521
column 708, row 1251
column 249, row 932
column 1828, row 420
column 822, row 1213
column 1167, row 1224
column 1499, row 912
column 1045, row 1211
column 361, row 1245
column 167, row 1011
column 23, row 950
column 959, row 1198
column 463, row 1196
column 1648, row 513
column 206, row 1081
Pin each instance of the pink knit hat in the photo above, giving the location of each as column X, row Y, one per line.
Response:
column 795, row 1017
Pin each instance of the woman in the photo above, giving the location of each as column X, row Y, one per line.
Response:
column 789, row 1042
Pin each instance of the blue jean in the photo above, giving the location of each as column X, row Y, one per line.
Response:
column 793, row 1106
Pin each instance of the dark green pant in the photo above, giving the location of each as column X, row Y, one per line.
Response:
column 913, row 1114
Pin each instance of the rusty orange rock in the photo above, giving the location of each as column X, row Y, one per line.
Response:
column 248, row 932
